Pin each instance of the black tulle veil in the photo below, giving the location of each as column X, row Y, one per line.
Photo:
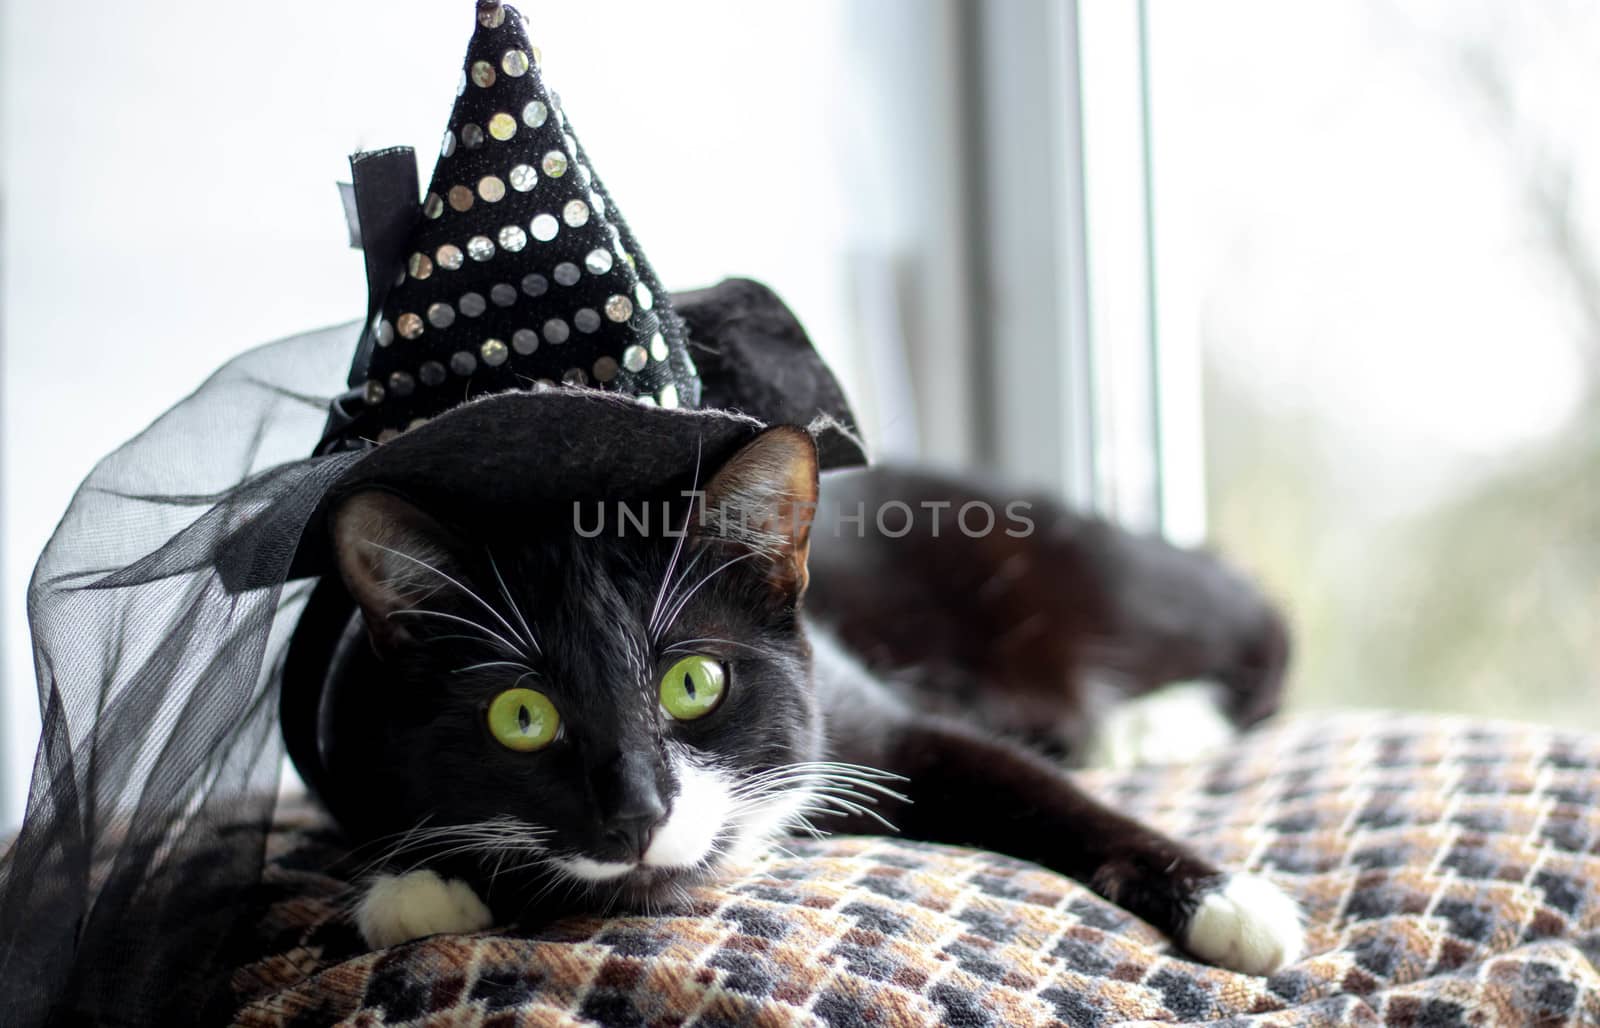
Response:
column 159, row 758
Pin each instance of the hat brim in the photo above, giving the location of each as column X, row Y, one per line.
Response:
column 514, row 452
column 505, row 452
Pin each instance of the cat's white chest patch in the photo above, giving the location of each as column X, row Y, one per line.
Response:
column 399, row 908
column 699, row 815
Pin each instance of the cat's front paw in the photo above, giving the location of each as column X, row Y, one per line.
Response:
column 1245, row 924
column 399, row 908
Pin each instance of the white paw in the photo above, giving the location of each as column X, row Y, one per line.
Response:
column 399, row 908
column 1247, row 924
column 1173, row 725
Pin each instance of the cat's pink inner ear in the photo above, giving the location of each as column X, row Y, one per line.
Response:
column 391, row 556
column 765, row 499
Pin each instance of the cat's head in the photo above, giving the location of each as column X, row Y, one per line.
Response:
column 612, row 711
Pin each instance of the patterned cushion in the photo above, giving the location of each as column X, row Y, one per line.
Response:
column 1448, row 872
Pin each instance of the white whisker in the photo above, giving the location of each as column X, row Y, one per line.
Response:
column 512, row 603
column 499, row 836
column 489, row 634
column 659, row 628
column 677, row 548
column 494, row 663
column 689, row 644
column 678, row 608
column 479, row 600
column 781, row 800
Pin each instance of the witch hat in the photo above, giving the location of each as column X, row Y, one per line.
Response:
column 516, row 273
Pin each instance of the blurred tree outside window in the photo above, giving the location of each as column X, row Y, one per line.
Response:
column 1383, row 220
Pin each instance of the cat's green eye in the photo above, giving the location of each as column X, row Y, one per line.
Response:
column 523, row 720
column 693, row 687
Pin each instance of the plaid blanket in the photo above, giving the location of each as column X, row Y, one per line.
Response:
column 1448, row 871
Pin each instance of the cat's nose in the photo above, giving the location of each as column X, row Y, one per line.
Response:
column 631, row 805
column 632, row 832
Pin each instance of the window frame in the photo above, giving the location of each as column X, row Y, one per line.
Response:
column 1092, row 388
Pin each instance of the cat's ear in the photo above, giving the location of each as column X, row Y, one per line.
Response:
column 392, row 556
column 765, row 498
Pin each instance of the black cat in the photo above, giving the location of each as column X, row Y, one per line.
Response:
column 546, row 715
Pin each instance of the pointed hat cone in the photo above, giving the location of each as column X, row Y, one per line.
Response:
column 520, row 271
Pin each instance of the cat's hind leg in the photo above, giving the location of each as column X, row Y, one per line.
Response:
column 1038, row 635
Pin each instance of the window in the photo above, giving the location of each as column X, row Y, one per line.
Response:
column 1318, row 286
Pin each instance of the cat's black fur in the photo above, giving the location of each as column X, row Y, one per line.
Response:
column 918, row 656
